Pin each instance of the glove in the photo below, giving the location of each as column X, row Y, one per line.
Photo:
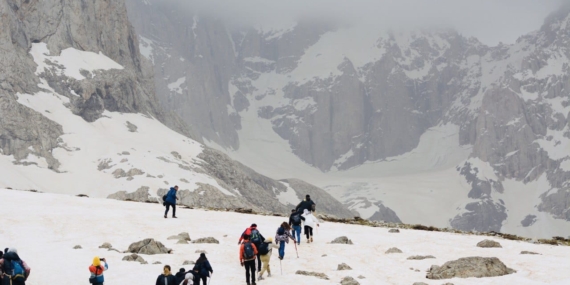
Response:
column 239, row 242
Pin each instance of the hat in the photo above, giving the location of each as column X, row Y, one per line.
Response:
column 202, row 254
column 96, row 261
column 269, row 240
column 308, row 196
column 254, row 225
column 13, row 250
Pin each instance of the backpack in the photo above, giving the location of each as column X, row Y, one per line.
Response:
column 296, row 219
column 263, row 249
column 280, row 231
column 248, row 252
column 16, row 270
column 255, row 237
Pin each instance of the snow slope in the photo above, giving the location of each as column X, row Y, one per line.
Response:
column 45, row 227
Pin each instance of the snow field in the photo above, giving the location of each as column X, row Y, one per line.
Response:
column 45, row 227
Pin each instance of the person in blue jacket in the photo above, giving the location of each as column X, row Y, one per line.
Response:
column 170, row 200
column 203, row 266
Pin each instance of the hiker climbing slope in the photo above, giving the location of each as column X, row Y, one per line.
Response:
column 310, row 222
column 265, row 250
column 295, row 221
column 204, row 268
column 170, row 201
column 247, row 254
column 166, row 278
column 307, row 204
column 282, row 236
column 97, row 269
column 255, row 237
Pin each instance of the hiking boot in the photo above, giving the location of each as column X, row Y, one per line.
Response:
column 165, row 216
column 311, row 239
column 175, row 217
column 281, row 257
column 260, row 278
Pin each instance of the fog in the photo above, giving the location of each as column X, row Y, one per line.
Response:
column 491, row 21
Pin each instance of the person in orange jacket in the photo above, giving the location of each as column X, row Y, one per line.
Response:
column 247, row 255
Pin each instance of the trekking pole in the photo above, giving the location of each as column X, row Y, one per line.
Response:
column 295, row 243
column 211, row 274
column 281, row 266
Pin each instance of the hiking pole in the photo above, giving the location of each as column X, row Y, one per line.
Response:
column 210, row 278
column 281, row 266
column 295, row 243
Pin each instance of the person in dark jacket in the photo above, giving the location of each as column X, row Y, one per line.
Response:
column 295, row 221
column 180, row 275
column 204, row 267
column 171, row 201
column 166, row 278
column 307, row 204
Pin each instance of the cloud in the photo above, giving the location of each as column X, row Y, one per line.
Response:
column 491, row 21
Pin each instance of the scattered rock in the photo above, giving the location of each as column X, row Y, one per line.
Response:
column 343, row 266
column 469, row 267
column 349, row 281
column 188, row 262
column 182, row 241
column 417, row 270
column 119, row 173
column 201, row 251
column 77, row 247
column 134, row 257
column 148, row 246
column 132, row 127
column 176, row 154
column 157, row 262
column 225, row 235
column 420, row 283
column 488, row 243
column 393, row 250
column 342, row 240
column 106, row 245
column 447, row 284
column 125, row 153
column 184, row 180
column 124, row 160
column 324, row 255
column 361, row 277
column 420, row 257
column 82, row 195
column 315, row 274
column 394, row 231
column 528, row 252
column 134, row 171
column 105, row 164
column 206, row 240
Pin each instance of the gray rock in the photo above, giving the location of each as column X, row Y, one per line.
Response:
column 488, row 244
column 310, row 273
column 106, row 245
column 361, row 277
column 134, row 257
column 393, row 250
column 131, row 127
column 188, row 262
column 182, row 241
column 349, row 281
column 201, row 251
column 206, row 240
column 148, row 246
column 529, row 252
column 394, row 231
column 343, row 266
column 140, row 195
column 420, row 283
column 528, row 221
column 157, row 262
column 469, row 267
column 77, row 247
column 342, row 240
column 420, row 257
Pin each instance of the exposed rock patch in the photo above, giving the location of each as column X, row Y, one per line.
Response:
column 349, row 281
column 469, row 267
column 420, row 257
column 188, row 262
column 394, row 231
column 315, row 274
column 148, row 246
column 529, row 252
column 489, row 244
column 134, row 257
column 132, row 127
column 106, row 245
column 206, row 240
column 343, row 266
column 393, row 250
column 77, row 247
column 342, row 240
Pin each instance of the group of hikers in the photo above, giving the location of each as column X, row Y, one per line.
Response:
column 252, row 246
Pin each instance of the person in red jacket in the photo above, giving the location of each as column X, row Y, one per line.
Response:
column 247, row 255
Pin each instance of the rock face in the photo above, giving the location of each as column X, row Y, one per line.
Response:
column 343, row 266
column 393, row 250
column 488, row 244
column 148, row 246
column 394, row 231
column 342, row 240
column 428, row 78
column 106, row 245
column 134, row 257
column 206, row 240
column 349, row 281
column 469, row 267
column 315, row 274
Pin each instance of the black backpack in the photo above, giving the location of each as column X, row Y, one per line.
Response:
column 263, row 248
column 248, row 252
column 296, row 219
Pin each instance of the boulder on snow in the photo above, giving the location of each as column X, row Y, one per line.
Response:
column 528, row 252
column 134, row 257
column 349, row 281
column 420, row 283
column 188, row 262
column 342, row 240
column 182, row 241
column 393, row 250
column 201, row 251
column 469, row 267
column 106, row 245
column 315, row 274
column 361, row 277
column 488, row 243
column 394, row 231
column 420, row 257
column 343, row 266
column 157, row 262
column 206, row 240
column 148, row 246
column 77, row 247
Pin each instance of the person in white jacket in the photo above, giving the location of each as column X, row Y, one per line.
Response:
column 309, row 222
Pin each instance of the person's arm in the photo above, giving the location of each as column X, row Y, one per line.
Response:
column 210, row 267
column 26, row 268
column 290, row 220
column 106, row 265
column 254, row 248
column 302, row 218
column 241, row 254
column 241, row 237
column 158, row 280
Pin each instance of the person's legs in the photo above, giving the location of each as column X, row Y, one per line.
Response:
column 174, row 211
column 265, row 260
column 281, row 249
column 297, row 231
column 253, row 272
column 204, row 280
column 311, row 233
column 307, row 231
column 167, row 208
column 247, row 265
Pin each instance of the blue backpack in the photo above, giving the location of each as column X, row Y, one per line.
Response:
column 248, row 252
column 17, row 270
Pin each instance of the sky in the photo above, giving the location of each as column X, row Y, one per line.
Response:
column 491, row 21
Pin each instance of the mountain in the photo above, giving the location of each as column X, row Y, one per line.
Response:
column 52, row 225
column 79, row 115
column 438, row 128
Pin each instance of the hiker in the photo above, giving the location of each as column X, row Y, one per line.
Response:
column 283, row 235
column 247, row 253
column 295, row 222
column 255, row 237
column 204, row 268
column 310, row 222
column 265, row 250
column 170, row 200
column 96, row 270
column 14, row 270
column 166, row 278
column 192, row 277
column 307, row 204
column 180, row 276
